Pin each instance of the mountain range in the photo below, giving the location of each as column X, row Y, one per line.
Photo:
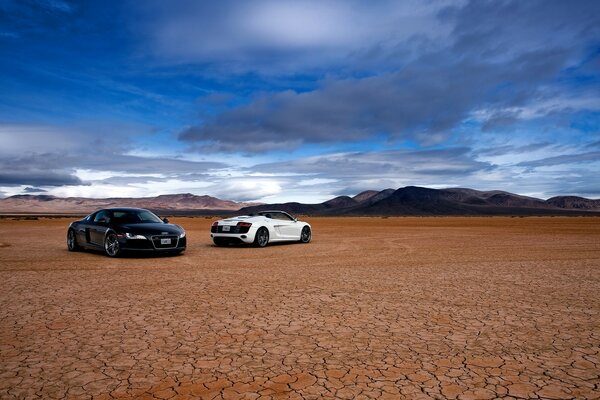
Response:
column 27, row 203
column 413, row 200
column 410, row 200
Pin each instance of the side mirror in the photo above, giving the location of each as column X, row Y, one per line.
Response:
column 166, row 220
column 295, row 219
column 104, row 221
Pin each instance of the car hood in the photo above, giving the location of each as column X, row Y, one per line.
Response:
column 151, row 228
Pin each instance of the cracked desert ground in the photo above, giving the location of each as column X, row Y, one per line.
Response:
column 467, row 308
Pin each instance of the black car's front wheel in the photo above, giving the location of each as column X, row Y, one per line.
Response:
column 306, row 235
column 262, row 237
column 72, row 241
column 111, row 245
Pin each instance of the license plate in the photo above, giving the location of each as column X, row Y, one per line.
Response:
column 226, row 228
column 165, row 241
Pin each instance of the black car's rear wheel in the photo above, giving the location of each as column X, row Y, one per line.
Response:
column 306, row 235
column 262, row 237
column 72, row 241
column 111, row 245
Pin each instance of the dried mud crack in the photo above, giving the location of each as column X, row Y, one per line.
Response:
column 441, row 308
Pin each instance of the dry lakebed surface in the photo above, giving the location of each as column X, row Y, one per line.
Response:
column 373, row 308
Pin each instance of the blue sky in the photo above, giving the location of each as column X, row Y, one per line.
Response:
column 298, row 100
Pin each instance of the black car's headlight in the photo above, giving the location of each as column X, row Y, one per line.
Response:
column 182, row 235
column 134, row 236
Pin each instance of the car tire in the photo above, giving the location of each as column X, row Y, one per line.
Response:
column 305, row 235
column 111, row 245
column 72, row 241
column 261, row 239
column 219, row 242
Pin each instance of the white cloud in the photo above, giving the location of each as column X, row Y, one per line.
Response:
column 95, row 175
column 245, row 189
column 315, row 181
column 19, row 138
column 267, row 34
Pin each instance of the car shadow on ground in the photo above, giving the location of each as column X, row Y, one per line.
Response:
column 251, row 246
column 131, row 254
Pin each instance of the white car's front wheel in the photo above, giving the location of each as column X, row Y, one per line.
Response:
column 306, row 235
column 262, row 237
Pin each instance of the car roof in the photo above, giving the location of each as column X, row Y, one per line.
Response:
column 122, row 209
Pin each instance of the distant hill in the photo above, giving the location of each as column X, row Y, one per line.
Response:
column 410, row 200
column 574, row 203
column 169, row 202
column 413, row 200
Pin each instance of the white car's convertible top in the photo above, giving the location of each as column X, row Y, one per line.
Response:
column 260, row 229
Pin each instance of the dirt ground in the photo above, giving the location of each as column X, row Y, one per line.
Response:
column 468, row 308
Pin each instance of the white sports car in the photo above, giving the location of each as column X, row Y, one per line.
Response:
column 260, row 229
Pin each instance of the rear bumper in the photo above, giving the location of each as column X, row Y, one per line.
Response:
column 234, row 238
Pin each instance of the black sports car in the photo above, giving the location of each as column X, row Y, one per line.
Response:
column 116, row 230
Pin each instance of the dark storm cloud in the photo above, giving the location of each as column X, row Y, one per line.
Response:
column 56, row 169
column 28, row 176
column 48, row 156
column 405, row 104
column 36, row 170
column 500, row 55
column 143, row 165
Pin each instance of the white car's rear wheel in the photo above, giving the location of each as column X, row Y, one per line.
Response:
column 262, row 237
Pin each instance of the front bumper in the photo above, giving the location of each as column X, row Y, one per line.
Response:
column 153, row 244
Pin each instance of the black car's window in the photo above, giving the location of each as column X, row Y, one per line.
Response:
column 135, row 217
column 101, row 215
column 125, row 217
column 147, row 216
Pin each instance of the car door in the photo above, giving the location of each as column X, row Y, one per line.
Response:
column 82, row 230
column 98, row 228
column 286, row 226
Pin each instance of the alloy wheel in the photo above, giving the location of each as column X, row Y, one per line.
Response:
column 306, row 235
column 111, row 245
column 262, row 237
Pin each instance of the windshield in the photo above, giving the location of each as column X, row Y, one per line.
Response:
column 135, row 217
column 276, row 215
